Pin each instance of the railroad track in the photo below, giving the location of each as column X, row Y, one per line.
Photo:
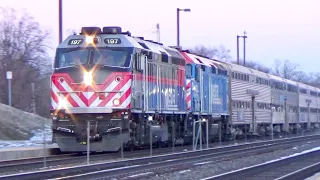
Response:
column 295, row 167
column 27, row 164
column 124, row 168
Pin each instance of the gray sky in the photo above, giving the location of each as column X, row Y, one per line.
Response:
column 286, row 29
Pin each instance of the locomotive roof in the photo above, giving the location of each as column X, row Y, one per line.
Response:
column 196, row 59
column 123, row 40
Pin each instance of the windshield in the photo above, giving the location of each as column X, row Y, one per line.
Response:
column 68, row 57
column 108, row 57
column 72, row 58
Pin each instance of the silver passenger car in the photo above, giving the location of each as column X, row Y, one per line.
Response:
column 250, row 99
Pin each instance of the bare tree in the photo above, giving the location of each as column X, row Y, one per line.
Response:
column 257, row 66
column 287, row 70
column 219, row 53
column 23, row 50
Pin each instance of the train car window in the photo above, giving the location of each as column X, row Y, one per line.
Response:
column 203, row 67
column 164, row 57
column 303, row 91
column 312, row 93
column 313, row 110
column 189, row 70
column 137, row 62
column 214, row 71
column 197, row 74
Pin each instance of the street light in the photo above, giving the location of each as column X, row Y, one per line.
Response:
column 244, row 48
column 178, row 24
column 9, row 77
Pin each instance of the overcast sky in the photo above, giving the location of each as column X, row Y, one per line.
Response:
column 277, row 29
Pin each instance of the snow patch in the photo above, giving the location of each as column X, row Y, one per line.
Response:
column 207, row 162
column 35, row 140
column 141, row 174
column 184, row 171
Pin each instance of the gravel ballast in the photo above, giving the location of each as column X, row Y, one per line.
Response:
column 207, row 168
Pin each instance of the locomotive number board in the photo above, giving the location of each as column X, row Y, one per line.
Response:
column 112, row 40
column 75, row 41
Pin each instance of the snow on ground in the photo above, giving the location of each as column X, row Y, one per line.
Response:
column 206, row 168
column 35, row 140
column 314, row 177
column 19, row 128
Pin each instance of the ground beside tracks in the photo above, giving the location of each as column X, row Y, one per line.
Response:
column 207, row 168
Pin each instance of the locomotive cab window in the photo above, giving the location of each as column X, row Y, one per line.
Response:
column 71, row 57
column 107, row 57
column 68, row 57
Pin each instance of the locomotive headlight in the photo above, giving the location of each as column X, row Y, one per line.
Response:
column 62, row 103
column 92, row 40
column 87, row 78
column 89, row 39
column 116, row 102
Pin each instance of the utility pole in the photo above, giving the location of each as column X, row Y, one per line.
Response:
column 238, row 61
column 158, row 32
column 60, row 21
column 244, row 48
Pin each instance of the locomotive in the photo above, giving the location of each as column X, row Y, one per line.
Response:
column 119, row 82
column 133, row 90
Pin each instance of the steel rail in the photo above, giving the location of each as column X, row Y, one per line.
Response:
column 27, row 164
column 118, row 166
column 302, row 173
column 292, row 167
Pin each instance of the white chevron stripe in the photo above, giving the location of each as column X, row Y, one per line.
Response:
column 56, row 90
column 54, row 104
column 108, row 89
column 118, row 95
column 75, row 96
column 126, row 102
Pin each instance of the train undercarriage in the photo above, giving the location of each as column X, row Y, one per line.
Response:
column 266, row 129
column 109, row 131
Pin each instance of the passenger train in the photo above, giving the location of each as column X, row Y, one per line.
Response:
column 127, row 87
